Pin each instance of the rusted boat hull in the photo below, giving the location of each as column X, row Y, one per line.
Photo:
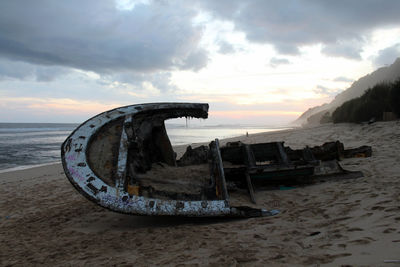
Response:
column 123, row 160
column 95, row 158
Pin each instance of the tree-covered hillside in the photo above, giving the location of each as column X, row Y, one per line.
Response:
column 387, row 74
column 383, row 97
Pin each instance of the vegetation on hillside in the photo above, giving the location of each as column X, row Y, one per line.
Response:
column 395, row 98
column 318, row 114
column 383, row 97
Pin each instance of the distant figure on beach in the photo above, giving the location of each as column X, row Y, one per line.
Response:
column 247, row 134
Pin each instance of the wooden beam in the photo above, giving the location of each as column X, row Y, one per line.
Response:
column 123, row 157
column 250, row 163
column 220, row 169
column 250, row 187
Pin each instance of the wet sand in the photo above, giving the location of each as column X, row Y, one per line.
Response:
column 45, row 221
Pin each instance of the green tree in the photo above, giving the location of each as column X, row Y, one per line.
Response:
column 376, row 100
column 395, row 98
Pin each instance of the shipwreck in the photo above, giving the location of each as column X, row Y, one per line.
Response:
column 123, row 160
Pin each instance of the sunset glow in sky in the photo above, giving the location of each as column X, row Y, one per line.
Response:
column 254, row 62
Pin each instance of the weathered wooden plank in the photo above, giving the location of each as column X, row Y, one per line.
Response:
column 219, row 168
column 251, row 189
column 282, row 153
column 123, row 156
column 250, row 163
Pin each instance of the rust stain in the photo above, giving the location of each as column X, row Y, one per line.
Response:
column 133, row 190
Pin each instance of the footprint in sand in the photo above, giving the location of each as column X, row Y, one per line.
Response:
column 367, row 214
column 360, row 242
column 355, row 229
column 384, row 202
column 377, row 208
column 389, row 230
column 390, row 209
column 277, row 257
column 260, row 237
column 325, row 246
column 342, row 255
column 364, row 241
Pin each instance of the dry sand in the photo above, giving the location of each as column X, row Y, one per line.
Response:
column 44, row 220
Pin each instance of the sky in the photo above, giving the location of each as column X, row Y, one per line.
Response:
column 255, row 62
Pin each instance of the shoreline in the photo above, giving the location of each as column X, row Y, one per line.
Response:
column 177, row 147
column 44, row 220
column 27, row 167
column 176, row 135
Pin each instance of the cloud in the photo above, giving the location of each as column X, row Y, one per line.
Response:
column 325, row 91
column 17, row 70
column 226, row 48
column 287, row 49
column 343, row 79
column 387, row 56
column 161, row 81
column 85, row 86
column 288, row 25
column 96, row 36
column 350, row 50
column 275, row 62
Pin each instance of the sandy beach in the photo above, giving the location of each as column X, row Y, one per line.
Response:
column 355, row 222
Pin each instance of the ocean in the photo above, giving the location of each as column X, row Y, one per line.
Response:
column 26, row 145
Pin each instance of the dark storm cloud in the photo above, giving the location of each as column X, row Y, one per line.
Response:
column 18, row 70
column 15, row 70
column 291, row 24
column 94, row 35
column 387, row 56
column 350, row 50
